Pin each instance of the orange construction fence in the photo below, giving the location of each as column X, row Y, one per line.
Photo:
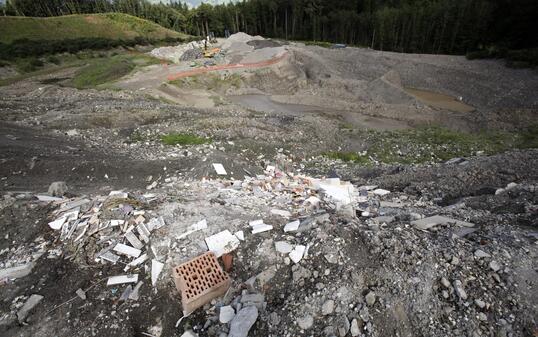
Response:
column 227, row 66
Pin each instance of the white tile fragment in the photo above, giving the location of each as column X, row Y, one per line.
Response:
column 219, row 169
column 255, row 222
column 133, row 240
column 292, row 226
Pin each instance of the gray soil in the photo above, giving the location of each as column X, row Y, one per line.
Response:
column 103, row 140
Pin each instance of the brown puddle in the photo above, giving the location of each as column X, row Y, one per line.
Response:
column 441, row 101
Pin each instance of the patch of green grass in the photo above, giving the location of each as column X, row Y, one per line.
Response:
column 346, row 126
column 349, row 157
column 184, row 139
column 528, row 138
column 104, row 70
column 28, row 65
column 435, row 144
column 323, row 44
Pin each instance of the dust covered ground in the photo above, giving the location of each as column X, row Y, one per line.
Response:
column 370, row 271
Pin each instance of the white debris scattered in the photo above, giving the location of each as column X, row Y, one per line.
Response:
column 156, row 268
column 240, row 235
column 435, row 220
column 57, row 224
column 280, row 212
column 255, row 222
column 16, row 272
column 202, row 224
column 118, row 194
column 120, row 279
column 283, row 247
column 292, row 226
column 222, row 243
column 127, row 250
column 297, row 253
column 381, row 192
column 219, row 169
column 260, row 228
column 47, row 198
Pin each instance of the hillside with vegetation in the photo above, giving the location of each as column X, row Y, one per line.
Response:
column 115, row 26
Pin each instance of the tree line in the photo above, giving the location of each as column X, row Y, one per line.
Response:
column 415, row 26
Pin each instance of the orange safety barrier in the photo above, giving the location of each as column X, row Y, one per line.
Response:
column 227, row 66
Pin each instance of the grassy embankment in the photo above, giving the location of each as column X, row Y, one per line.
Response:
column 434, row 144
column 33, row 45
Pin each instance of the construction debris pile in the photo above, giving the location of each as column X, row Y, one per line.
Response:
column 298, row 255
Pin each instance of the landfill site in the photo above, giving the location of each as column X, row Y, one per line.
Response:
column 113, row 224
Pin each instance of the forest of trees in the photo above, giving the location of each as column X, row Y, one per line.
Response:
column 422, row 26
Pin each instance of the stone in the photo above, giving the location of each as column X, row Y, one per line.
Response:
column 283, row 247
column 327, row 307
column 455, row 261
column 81, row 293
column 460, row 292
column 494, row 265
column 243, row 321
column 343, row 326
column 227, row 313
column 482, row 316
column 30, row 303
column 355, row 329
column 189, row 333
column 58, row 189
column 370, row 298
column 364, row 314
column 305, row 322
column 479, row 254
column 479, row 303
column 445, row 282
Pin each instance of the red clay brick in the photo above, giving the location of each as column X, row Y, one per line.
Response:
column 199, row 281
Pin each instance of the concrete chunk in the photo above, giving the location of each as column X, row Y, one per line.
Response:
column 30, row 303
column 435, row 220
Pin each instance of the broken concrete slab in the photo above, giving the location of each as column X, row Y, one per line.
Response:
column 222, row 243
column 30, row 303
column 226, row 314
column 435, row 220
column 16, row 272
column 58, row 189
column 243, row 321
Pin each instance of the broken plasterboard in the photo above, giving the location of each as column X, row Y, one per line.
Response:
column 222, row 243
column 120, row 279
column 219, row 169
column 156, row 268
column 127, row 250
column 261, row 228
